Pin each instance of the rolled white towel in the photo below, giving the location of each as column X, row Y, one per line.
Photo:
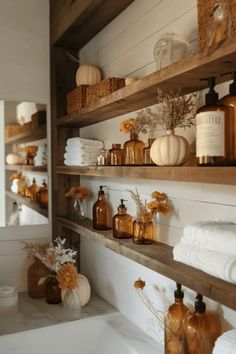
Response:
column 77, row 140
column 213, row 235
column 218, row 264
column 226, row 343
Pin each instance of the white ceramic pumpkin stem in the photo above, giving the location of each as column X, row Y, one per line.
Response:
column 170, row 132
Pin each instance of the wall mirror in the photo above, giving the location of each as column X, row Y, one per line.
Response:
column 23, row 164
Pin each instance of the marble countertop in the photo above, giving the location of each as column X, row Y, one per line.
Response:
column 36, row 313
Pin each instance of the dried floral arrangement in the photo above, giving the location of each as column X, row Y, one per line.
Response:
column 140, row 124
column 77, row 193
column 147, row 211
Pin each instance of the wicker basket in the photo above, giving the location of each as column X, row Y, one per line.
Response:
column 103, row 88
column 205, row 9
column 13, row 129
column 76, row 99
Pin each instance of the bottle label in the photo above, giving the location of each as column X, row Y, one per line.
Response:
column 210, row 133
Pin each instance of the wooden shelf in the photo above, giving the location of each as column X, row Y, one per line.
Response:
column 26, row 137
column 158, row 257
column 74, row 23
column 216, row 175
column 30, row 204
column 26, row 168
column 184, row 74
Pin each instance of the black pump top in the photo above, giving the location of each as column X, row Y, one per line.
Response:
column 200, row 306
column 101, row 191
column 232, row 87
column 179, row 294
column 122, row 206
column 212, row 96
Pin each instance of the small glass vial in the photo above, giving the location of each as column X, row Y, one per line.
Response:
column 122, row 223
column 146, row 153
column 116, row 155
column 103, row 158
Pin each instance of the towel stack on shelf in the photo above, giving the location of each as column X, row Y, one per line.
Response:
column 41, row 156
column 226, row 344
column 211, row 247
column 82, row 152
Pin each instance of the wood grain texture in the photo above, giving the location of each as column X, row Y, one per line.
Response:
column 33, row 135
column 26, row 168
column 74, row 23
column 184, row 74
column 158, row 257
column 218, row 175
column 26, row 201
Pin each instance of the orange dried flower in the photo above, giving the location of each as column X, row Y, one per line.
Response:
column 146, row 216
column 164, row 209
column 139, row 284
column 67, row 276
column 77, row 192
column 128, row 125
column 153, row 205
column 158, row 196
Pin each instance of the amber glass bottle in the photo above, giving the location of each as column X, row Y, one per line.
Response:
column 146, row 153
column 212, row 130
column 53, row 292
column 36, row 271
column 201, row 329
column 174, row 324
column 122, row 223
column 133, row 151
column 44, row 196
column 143, row 231
column 116, row 155
column 33, row 190
column 101, row 212
column 230, row 102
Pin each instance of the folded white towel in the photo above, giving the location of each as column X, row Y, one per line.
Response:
column 213, row 235
column 89, row 155
column 81, row 141
column 226, row 343
column 218, row 264
column 83, row 148
column 76, row 163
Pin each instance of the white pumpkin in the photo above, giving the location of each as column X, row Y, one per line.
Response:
column 84, row 290
column 170, row 150
column 88, row 75
column 14, row 159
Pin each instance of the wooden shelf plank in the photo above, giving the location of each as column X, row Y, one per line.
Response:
column 184, row 74
column 26, row 201
column 26, row 168
column 216, row 175
column 74, row 23
column 26, row 137
column 158, row 257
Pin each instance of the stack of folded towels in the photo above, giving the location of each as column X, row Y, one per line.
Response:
column 226, row 344
column 82, row 152
column 41, row 156
column 211, row 247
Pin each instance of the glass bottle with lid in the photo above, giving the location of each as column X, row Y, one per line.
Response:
column 33, row 190
column 116, row 155
column 122, row 222
column 101, row 212
column 146, row 153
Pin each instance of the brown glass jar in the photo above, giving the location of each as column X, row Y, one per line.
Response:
column 116, row 155
column 36, row 272
column 53, row 292
column 133, row 151
column 146, row 153
column 33, row 190
column 44, row 196
column 122, row 223
column 102, row 219
column 143, row 232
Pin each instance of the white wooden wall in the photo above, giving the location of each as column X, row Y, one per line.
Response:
column 125, row 47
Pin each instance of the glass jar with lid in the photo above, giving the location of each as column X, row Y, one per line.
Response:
column 116, row 155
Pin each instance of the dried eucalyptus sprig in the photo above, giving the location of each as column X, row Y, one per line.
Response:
column 176, row 109
column 136, row 197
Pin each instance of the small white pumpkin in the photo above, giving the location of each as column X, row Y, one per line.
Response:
column 170, row 150
column 129, row 80
column 84, row 290
column 87, row 75
column 14, row 159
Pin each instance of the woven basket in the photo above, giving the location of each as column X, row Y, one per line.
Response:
column 103, row 88
column 76, row 99
column 205, row 9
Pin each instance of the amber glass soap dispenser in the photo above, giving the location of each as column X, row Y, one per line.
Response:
column 174, row 324
column 122, row 222
column 101, row 212
column 201, row 329
column 212, row 130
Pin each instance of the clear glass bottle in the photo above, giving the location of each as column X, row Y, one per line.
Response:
column 101, row 212
column 133, row 151
column 201, row 329
column 143, row 231
column 146, row 153
column 122, row 223
column 103, row 158
column 36, row 271
column 116, row 155
column 174, row 319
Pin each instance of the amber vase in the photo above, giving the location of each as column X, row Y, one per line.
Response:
column 36, row 272
column 143, row 232
column 146, row 153
column 53, row 292
column 116, row 155
column 133, row 151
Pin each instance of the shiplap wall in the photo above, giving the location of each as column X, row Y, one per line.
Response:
column 24, row 72
column 125, row 47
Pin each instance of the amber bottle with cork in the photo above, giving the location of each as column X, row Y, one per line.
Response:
column 33, row 190
column 174, row 319
column 212, row 122
column 230, row 102
column 201, row 329
column 101, row 212
column 122, row 222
